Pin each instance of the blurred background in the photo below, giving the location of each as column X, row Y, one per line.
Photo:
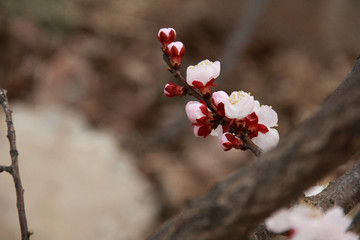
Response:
column 103, row 153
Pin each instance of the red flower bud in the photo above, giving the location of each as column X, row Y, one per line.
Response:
column 166, row 36
column 176, row 51
column 171, row 90
column 229, row 141
column 202, row 130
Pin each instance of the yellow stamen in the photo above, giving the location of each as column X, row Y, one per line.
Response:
column 236, row 97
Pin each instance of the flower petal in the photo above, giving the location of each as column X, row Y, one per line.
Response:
column 220, row 97
column 239, row 105
column 203, row 72
column 193, row 111
column 217, row 132
column 279, row 222
column 268, row 140
column 267, row 116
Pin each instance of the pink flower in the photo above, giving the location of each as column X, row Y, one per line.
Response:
column 196, row 111
column 307, row 223
column 267, row 117
column 202, row 75
column 171, row 90
column 166, row 36
column 176, row 51
column 201, row 118
column 219, row 98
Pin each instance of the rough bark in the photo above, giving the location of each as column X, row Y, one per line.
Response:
column 343, row 192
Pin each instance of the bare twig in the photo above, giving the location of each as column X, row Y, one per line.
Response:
column 240, row 202
column 252, row 146
column 13, row 169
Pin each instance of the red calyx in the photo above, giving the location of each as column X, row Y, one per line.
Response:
column 234, row 142
column 253, row 126
column 290, row 233
column 204, row 130
column 204, row 89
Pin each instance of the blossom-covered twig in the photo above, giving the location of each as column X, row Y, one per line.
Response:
column 238, row 203
column 13, row 169
column 238, row 120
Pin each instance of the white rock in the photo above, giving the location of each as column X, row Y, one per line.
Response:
column 78, row 183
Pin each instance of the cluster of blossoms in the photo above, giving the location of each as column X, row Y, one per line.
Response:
column 237, row 119
column 305, row 223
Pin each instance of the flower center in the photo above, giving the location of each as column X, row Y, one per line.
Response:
column 202, row 63
column 237, row 97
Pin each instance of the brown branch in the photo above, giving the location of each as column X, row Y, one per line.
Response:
column 252, row 146
column 5, row 169
column 343, row 192
column 13, row 169
column 355, row 224
column 237, row 204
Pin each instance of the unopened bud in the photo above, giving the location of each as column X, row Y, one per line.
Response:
column 202, row 130
column 166, row 36
column 176, row 51
column 229, row 141
column 171, row 90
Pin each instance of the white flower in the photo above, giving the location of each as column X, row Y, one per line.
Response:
column 268, row 117
column 239, row 105
column 202, row 73
column 311, row 224
column 268, row 140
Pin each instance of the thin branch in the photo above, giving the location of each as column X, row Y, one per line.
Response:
column 252, row 146
column 6, row 169
column 239, row 203
column 13, row 169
